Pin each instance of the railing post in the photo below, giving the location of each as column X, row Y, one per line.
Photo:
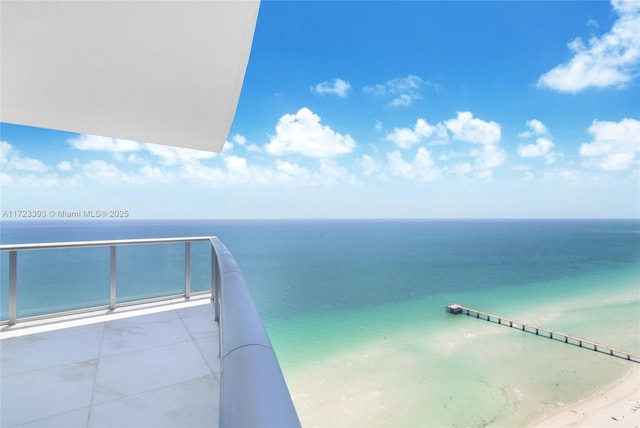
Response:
column 187, row 270
column 112, row 288
column 13, row 287
column 215, row 283
column 215, row 294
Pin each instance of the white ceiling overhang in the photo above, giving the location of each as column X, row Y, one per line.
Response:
column 163, row 72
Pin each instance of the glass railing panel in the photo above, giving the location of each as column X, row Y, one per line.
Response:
column 4, row 286
column 149, row 271
column 201, row 266
column 59, row 280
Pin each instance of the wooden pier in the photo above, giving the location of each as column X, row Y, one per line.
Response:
column 544, row 332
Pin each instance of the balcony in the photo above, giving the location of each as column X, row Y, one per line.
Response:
column 200, row 358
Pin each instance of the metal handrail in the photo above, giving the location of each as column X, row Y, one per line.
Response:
column 253, row 391
column 14, row 249
column 103, row 243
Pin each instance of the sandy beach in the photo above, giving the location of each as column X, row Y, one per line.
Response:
column 458, row 371
column 618, row 405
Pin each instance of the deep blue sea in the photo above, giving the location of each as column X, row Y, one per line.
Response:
column 325, row 288
column 304, row 266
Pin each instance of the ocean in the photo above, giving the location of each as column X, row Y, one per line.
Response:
column 355, row 309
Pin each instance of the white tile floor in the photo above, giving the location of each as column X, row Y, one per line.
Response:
column 157, row 367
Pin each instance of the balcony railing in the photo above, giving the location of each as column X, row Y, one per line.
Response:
column 253, row 391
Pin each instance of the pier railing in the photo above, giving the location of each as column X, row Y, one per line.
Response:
column 544, row 332
column 253, row 391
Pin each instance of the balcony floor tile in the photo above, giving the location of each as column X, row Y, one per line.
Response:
column 42, row 393
column 153, row 367
column 193, row 403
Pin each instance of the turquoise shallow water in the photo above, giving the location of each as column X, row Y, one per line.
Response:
column 355, row 309
column 411, row 364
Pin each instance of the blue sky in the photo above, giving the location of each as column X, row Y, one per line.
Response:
column 385, row 109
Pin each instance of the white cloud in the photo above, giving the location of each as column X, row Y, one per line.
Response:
column 543, row 146
column 489, row 157
column 234, row 171
column 369, row 165
column 21, row 171
column 336, row 86
column 239, row 139
column 331, row 173
column 174, row 155
column 5, row 151
column 288, row 172
column 6, row 179
column 108, row 173
column 403, row 137
column 486, row 159
column 535, row 128
column 402, row 100
column 563, row 174
column 136, row 160
column 615, row 145
column 464, row 127
column 422, row 168
column 626, row 6
column 102, row 171
column 406, row 138
column 612, row 59
column 237, row 168
column 470, row 129
column 149, row 173
column 303, row 134
column 402, row 90
column 106, row 144
column 18, row 163
column 473, row 130
column 171, row 166
column 439, row 131
column 13, row 161
column 202, row 174
column 451, row 155
column 238, row 171
column 168, row 154
column 462, row 168
column 64, row 166
column 328, row 173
